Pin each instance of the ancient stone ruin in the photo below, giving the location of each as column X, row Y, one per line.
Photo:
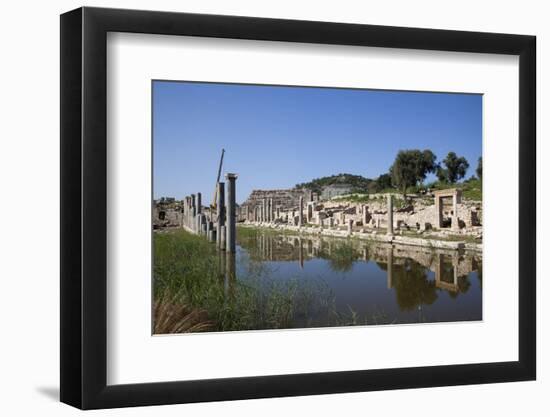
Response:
column 436, row 218
column 440, row 214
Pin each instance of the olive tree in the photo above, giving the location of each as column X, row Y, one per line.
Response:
column 411, row 167
column 455, row 168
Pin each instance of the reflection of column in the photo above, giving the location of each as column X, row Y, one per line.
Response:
column 231, row 205
column 390, row 215
column 390, row 267
column 301, row 255
column 438, row 269
column 455, row 269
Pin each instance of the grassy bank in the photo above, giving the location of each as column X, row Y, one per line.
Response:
column 196, row 288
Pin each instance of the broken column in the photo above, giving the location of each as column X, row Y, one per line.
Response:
column 231, row 205
column 350, row 226
column 390, row 215
column 220, row 201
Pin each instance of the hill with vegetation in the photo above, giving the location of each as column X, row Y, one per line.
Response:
column 357, row 183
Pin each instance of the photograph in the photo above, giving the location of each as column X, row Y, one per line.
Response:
column 293, row 207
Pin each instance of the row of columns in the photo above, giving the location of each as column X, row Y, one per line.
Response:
column 223, row 230
column 265, row 212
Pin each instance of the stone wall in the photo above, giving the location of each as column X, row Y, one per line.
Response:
column 166, row 217
column 285, row 199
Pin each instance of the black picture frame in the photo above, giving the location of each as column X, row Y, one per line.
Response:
column 84, row 207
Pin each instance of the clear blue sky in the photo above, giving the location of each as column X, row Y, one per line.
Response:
column 276, row 137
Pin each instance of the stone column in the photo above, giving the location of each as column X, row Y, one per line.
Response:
column 271, row 210
column 390, row 215
column 309, row 214
column 438, row 209
column 193, row 205
column 350, row 227
column 220, row 201
column 186, row 210
column 222, row 237
column 365, row 215
column 301, row 212
column 454, row 219
column 231, row 204
column 199, row 203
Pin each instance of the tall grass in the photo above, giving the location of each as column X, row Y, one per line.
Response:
column 195, row 277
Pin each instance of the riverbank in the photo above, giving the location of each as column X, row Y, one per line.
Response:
column 198, row 288
column 431, row 241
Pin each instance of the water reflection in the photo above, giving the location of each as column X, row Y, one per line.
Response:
column 374, row 283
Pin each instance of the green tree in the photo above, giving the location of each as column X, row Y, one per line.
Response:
column 381, row 183
column 411, row 167
column 455, row 168
column 479, row 169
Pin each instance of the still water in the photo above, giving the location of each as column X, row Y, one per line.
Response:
column 344, row 281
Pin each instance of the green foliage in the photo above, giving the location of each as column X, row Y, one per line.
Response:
column 342, row 257
column 471, row 188
column 357, row 183
column 455, row 168
column 411, row 167
column 383, row 182
column 412, row 286
column 353, row 198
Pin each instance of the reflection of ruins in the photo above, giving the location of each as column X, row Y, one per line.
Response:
column 415, row 274
column 448, row 265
